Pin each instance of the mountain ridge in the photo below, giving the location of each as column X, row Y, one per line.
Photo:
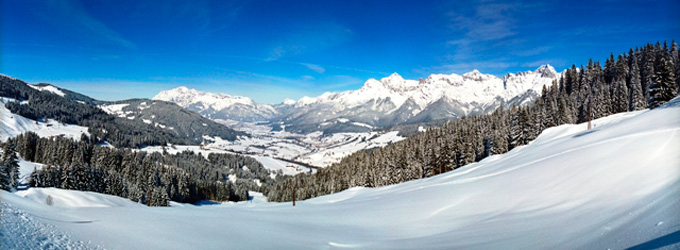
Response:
column 390, row 101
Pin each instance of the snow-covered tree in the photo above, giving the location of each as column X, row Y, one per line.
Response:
column 637, row 99
column 10, row 165
column 663, row 88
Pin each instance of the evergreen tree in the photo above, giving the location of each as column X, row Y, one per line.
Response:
column 637, row 100
column 11, row 166
column 620, row 97
column 4, row 177
column 663, row 88
column 647, row 74
column 675, row 55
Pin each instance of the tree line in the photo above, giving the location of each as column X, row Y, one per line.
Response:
column 149, row 178
column 643, row 78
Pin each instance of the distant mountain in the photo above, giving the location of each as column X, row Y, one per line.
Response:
column 169, row 117
column 379, row 103
column 218, row 106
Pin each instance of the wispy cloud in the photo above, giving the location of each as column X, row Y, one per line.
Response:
column 319, row 68
column 77, row 17
column 485, row 35
column 314, row 67
column 489, row 22
column 309, row 38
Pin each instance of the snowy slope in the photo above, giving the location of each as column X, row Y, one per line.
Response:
column 12, row 125
column 48, row 88
column 72, row 199
column 169, row 117
column 613, row 187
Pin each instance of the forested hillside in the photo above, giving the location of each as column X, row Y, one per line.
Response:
column 74, row 108
column 170, row 118
column 149, row 178
column 642, row 78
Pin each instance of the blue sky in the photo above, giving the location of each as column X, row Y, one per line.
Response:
column 271, row 50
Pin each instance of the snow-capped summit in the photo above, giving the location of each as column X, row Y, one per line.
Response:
column 546, row 70
column 185, row 96
column 392, row 80
column 386, row 102
column 393, row 100
column 217, row 105
column 477, row 76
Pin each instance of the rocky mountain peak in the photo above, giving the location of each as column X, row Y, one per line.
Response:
column 546, row 70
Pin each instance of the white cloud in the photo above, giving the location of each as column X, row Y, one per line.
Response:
column 314, row 67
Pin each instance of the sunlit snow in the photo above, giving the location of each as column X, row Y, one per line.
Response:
column 612, row 187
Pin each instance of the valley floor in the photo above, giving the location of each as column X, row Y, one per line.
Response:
column 613, row 187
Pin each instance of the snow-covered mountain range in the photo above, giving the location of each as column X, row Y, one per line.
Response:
column 217, row 105
column 379, row 103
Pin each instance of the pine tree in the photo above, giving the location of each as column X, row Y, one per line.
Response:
column 647, row 73
column 675, row 56
column 620, row 97
column 11, row 165
column 663, row 88
column 4, row 177
column 637, row 100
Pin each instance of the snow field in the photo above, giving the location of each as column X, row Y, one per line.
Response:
column 12, row 125
column 615, row 187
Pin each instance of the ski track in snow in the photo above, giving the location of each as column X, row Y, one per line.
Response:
column 21, row 231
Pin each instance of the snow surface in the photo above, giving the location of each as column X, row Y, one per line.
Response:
column 612, row 187
column 116, row 109
column 26, row 168
column 12, row 125
column 21, row 230
column 48, row 88
column 71, row 198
